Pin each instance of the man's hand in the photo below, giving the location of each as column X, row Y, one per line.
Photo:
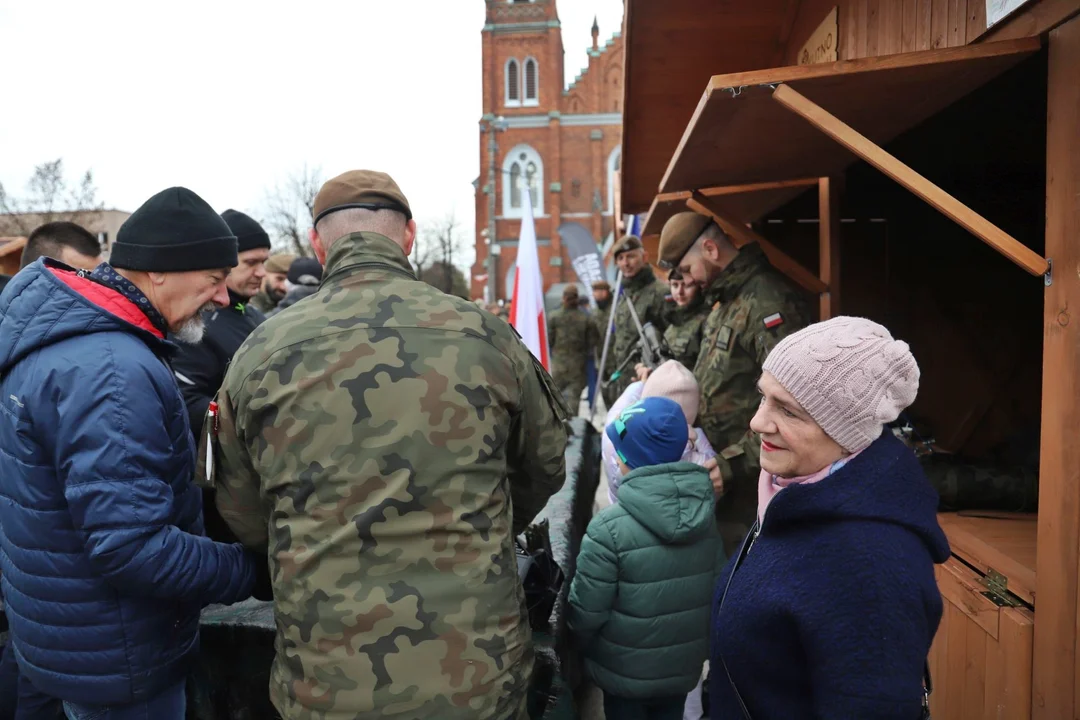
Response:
column 642, row 372
column 716, row 475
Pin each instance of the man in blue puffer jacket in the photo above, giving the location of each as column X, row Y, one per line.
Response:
column 103, row 560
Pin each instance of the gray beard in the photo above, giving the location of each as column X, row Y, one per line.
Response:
column 192, row 331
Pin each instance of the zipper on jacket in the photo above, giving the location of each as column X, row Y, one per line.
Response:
column 754, row 532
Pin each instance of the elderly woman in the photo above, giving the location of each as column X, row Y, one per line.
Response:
column 830, row 608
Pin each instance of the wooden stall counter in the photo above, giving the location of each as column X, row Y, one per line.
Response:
column 981, row 660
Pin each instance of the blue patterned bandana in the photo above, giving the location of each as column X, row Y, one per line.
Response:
column 107, row 275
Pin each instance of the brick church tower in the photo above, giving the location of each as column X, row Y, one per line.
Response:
column 563, row 144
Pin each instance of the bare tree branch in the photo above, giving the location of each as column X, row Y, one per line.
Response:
column 438, row 246
column 49, row 198
column 290, row 208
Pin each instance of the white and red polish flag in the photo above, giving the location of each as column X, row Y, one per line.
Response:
column 527, row 306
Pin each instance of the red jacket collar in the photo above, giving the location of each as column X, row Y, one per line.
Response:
column 107, row 299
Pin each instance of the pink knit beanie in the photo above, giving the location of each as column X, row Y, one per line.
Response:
column 849, row 374
column 672, row 380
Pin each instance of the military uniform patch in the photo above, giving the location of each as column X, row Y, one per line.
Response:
column 731, row 451
column 774, row 321
column 723, row 338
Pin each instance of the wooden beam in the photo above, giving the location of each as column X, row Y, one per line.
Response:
column 1058, row 548
column 829, row 246
column 952, row 208
column 684, row 195
column 743, row 235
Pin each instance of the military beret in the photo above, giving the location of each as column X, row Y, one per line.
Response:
column 601, row 285
column 366, row 189
column 279, row 263
column 679, row 234
column 626, row 244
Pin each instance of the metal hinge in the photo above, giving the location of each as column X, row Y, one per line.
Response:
column 997, row 589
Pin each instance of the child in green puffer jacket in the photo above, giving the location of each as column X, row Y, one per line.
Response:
column 641, row 597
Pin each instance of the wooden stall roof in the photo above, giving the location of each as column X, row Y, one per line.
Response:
column 672, row 49
column 9, row 245
column 740, row 135
column 723, row 200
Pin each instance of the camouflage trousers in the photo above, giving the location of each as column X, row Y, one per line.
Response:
column 571, row 392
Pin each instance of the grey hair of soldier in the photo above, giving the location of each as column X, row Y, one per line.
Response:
column 337, row 225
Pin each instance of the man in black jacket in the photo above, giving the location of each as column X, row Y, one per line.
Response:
column 200, row 368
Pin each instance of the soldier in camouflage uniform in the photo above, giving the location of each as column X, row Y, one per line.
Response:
column 753, row 308
column 682, row 339
column 639, row 286
column 572, row 335
column 601, row 292
column 273, row 285
column 383, row 442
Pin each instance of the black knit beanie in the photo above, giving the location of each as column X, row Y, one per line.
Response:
column 249, row 234
column 305, row 271
column 174, row 231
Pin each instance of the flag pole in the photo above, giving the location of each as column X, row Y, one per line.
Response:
column 607, row 341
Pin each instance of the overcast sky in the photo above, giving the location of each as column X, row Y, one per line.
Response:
column 227, row 97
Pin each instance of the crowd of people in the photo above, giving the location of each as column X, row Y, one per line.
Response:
column 196, row 421
column 365, row 457
column 780, row 605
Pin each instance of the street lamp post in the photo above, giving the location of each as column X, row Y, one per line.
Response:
column 494, row 125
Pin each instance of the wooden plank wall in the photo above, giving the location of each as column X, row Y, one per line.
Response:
column 871, row 28
column 1057, row 658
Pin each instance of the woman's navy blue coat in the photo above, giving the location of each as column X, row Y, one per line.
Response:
column 832, row 611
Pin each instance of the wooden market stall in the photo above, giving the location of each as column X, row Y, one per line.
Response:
column 10, row 254
column 916, row 162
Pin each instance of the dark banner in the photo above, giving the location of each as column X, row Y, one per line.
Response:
column 584, row 255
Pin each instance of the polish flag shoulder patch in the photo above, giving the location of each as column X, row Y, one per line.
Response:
column 774, row 321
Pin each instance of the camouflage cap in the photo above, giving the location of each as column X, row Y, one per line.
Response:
column 279, row 263
column 679, row 234
column 601, row 285
column 570, row 291
column 365, row 189
column 626, row 244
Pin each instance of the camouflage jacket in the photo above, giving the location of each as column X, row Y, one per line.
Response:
column 384, row 442
column 682, row 339
column 754, row 307
column 572, row 335
column 648, row 298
